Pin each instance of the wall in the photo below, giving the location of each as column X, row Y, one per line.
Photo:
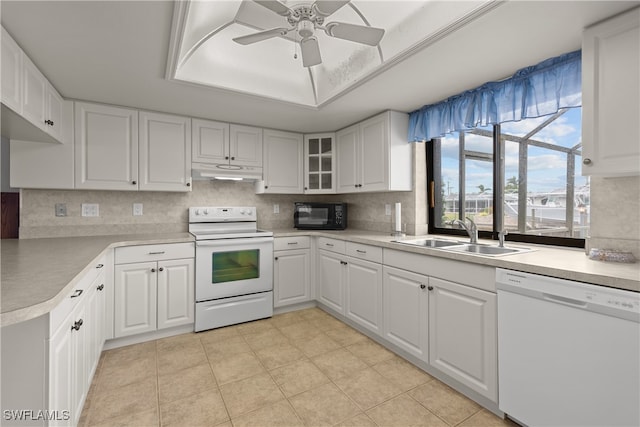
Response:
column 615, row 214
column 167, row 212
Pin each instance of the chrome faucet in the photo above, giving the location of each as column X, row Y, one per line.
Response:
column 501, row 235
column 471, row 230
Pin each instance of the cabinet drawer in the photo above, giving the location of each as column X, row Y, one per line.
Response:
column 146, row 253
column 333, row 245
column 370, row 253
column 95, row 276
column 286, row 243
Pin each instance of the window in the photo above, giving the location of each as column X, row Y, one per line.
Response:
column 523, row 177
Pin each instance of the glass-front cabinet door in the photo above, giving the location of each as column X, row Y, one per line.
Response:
column 320, row 163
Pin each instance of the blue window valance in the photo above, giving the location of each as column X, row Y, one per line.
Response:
column 533, row 91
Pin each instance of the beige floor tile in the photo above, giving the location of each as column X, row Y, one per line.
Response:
column 265, row 339
column 314, row 314
column 218, row 350
column 119, row 356
column 338, row 363
column 324, row 405
column 360, row 420
column 445, row 402
column 278, row 414
column 132, row 398
column 403, row 411
column 345, row 335
column 402, row 373
column 219, row 334
column 367, row 388
column 185, row 382
column 316, row 345
column 370, row 351
column 114, row 376
column 279, row 355
column 255, row 326
column 327, row 324
column 300, row 330
column 177, row 342
column 236, row 367
column 204, row 409
column 485, row 418
column 249, row 394
column 137, row 419
column 173, row 359
column 298, row 377
column 286, row 319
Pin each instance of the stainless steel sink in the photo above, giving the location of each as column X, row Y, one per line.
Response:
column 486, row 249
column 430, row 243
column 470, row 248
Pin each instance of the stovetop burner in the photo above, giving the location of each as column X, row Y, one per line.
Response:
column 209, row 223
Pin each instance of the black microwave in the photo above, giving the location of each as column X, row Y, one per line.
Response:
column 320, row 216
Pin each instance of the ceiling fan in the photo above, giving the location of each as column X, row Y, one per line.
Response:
column 305, row 19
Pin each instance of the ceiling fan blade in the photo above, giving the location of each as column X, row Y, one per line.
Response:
column 275, row 6
column 327, row 7
column 310, row 52
column 355, row 33
column 262, row 35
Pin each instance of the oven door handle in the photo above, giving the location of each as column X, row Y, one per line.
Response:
column 226, row 242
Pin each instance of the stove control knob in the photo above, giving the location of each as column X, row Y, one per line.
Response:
column 206, row 211
column 197, row 212
column 242, row 212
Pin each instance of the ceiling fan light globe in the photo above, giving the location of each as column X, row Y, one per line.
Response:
column 305, row 29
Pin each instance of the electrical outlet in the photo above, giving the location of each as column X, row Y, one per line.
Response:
column 276, row 208
column 61, row 209
column 137, row 209
column 387, row 209
column 90, row 209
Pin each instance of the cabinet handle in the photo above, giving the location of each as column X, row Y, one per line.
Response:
column 292, row 243
column 430, row 288
column 233, row 158
column 101, row 287
column 77, row 293
column 343, row 262
column 305, row 188
column 422, row 286
column 329, row 244
column 226, row 157
column 361, row 252
column 276, row 258
column 161, row 269
column 99, row 265
column 153, row 270
column 356, row 185
column 266, row 186
column 156, row 253
column 134, row 182
column 76, row 325
column 586, row 161
column 188, row 184
column 51, row 122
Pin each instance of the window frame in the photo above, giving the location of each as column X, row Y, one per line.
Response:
column 498, row 201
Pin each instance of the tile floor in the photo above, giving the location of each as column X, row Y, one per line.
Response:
column 298, row 368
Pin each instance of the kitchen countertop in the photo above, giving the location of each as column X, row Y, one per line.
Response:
column 37, row 273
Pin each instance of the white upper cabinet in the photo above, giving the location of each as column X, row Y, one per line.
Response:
column 34, row 106
column 320, row 164
column 283, row 162
column 611, row 97
column 11, row 73
column 106, row 147
column 245, row 146
column 374, row 155
column 218, row 143
column 165, row 152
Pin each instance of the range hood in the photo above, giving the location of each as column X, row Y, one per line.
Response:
column 205, row 171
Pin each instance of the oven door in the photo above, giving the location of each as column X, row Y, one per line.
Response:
column 232, row 267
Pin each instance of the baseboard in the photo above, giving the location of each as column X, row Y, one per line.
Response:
column 148, row 336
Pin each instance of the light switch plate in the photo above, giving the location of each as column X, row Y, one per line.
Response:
column 61, row 209
column 137, row 209
column 276, row 208
column 387, row 209
column 90, row 209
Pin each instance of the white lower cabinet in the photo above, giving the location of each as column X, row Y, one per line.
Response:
column 331, row 280
column 406, row 304
column 363, row 302
column 61, row 367
column 156, row 293
column 291, row 271
column 462, row 335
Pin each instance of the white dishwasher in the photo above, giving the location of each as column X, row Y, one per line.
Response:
column 568, row 352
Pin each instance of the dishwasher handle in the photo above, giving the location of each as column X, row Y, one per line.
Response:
column 564, row 300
